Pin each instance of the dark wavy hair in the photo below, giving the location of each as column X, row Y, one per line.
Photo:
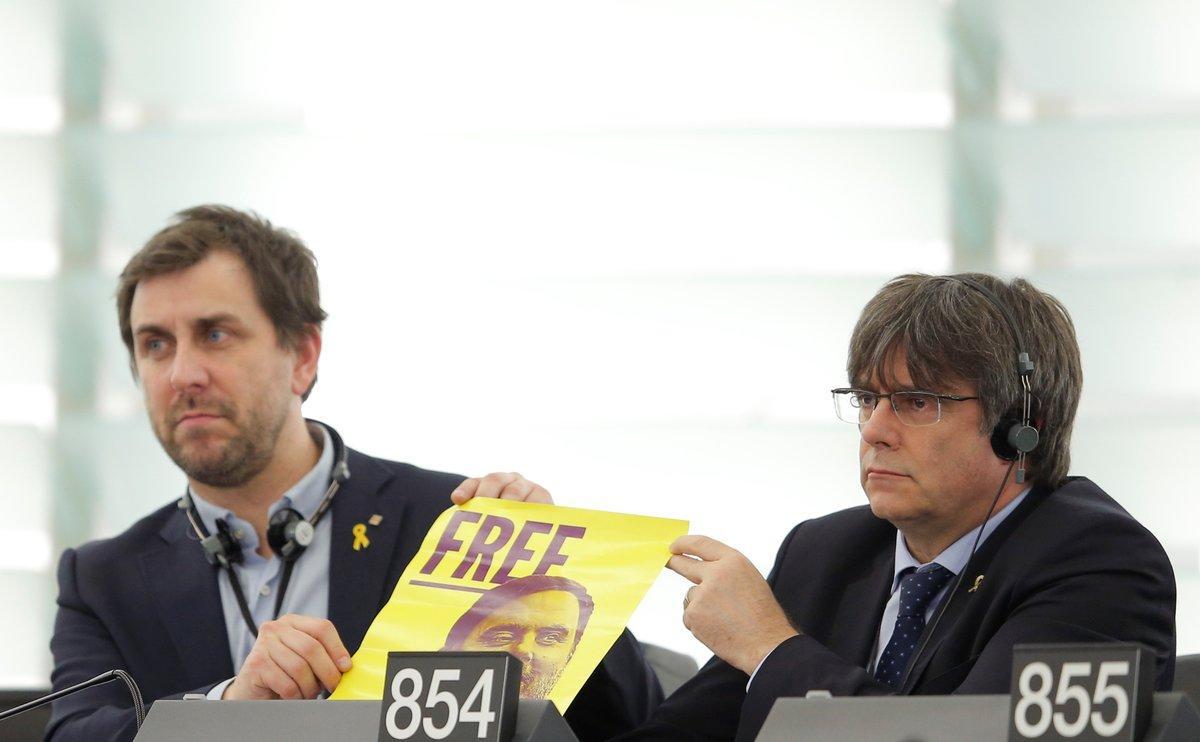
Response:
column 951, row 332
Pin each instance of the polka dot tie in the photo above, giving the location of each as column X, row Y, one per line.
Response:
column 916, row 590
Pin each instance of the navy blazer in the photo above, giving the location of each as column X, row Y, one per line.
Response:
column 1069, row 565
column 147, row 602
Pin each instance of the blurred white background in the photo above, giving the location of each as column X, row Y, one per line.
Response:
column 618, row 247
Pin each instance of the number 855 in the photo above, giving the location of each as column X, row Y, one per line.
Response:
column 1039, row 698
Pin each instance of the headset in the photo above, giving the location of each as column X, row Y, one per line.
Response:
column 1013, row 437
column 289, row 533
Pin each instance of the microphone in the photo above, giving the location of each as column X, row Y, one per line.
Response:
column 139, row 706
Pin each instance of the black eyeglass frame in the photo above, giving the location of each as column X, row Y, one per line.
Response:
column 879, row 395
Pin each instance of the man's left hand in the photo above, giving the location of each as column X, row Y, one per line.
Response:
column 503, row 486
column 730, row 609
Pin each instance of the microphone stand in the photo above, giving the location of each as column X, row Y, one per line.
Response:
column 139, row 706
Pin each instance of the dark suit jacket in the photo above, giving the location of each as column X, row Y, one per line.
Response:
column 1068, row 565
column 147, row 602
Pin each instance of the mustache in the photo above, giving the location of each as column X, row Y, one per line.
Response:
column 198, row 406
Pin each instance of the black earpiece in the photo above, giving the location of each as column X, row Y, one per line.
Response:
column 1014, row 435
column 289, row 534
column 221, row 549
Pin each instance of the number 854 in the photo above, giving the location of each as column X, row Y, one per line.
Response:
column 479, row 696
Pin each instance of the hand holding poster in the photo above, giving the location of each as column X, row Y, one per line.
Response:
column 554, row 586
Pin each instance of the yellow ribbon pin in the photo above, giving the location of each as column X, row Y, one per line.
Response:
column 978, row 582
column 360, row 536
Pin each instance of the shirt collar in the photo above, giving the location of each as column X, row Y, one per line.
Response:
column 954, row 557
column 304, row 496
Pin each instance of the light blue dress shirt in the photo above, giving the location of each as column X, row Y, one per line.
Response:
column 308, row 590
column 954, row 558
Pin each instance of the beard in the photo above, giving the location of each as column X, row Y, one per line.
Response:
column 205, row 458
column 539, row 678
column 537, row 685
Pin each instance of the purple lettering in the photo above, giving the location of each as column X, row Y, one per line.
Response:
column 482, row 549
column 519, row 553
column 553, row 554
column 448, row 542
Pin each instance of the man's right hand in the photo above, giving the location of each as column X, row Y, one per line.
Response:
column 294, row 657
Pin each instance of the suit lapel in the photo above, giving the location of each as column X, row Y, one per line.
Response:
column 358, row 578
column 873, row 591
column 961, row 602
column 183, row 590
column 850, row 596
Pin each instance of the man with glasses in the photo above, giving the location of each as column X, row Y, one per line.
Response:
column 974, row 539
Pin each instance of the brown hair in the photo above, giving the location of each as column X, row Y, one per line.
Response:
column 283, row 270
column 950, row 332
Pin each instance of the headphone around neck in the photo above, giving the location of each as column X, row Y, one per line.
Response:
column 1014, row 435
column 289, row 533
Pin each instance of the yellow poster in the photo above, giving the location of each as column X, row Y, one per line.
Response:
column 552, row 585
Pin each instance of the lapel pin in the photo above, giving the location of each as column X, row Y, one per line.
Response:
column 360, row 536
column 375, row 519
column 978, row 580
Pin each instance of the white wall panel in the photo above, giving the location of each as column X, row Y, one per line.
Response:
column 1126, row 51
column 29, row 66
column 29, row 597
column 616, row 246
column 28, row 206
column 26, row 333
column 549, row 64
column 1097, row 194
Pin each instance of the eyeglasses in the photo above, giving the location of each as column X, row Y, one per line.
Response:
column 912, row 408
